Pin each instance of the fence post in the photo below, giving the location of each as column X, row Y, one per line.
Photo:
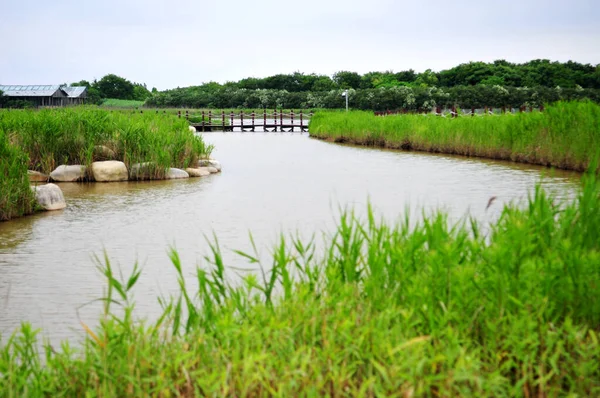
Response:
column 275, row 118
column 242, row 120
column 301, row 120
column 179, row 114
column 292, row 118
column 281, row 119
column 187, row 115
column 231, row 115
column 223, row 118
column 202, row 121
column 252, row 120
column 264, row 119
column 210, row 118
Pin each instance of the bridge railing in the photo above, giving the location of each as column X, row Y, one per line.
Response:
column 274, row 120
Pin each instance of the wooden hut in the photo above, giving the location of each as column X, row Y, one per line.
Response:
column 36, row 95
column 75, row 95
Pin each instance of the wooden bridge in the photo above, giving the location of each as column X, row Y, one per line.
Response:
column 265, row 121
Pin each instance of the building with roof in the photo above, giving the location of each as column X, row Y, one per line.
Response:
column 75, row 95
column 47, row 95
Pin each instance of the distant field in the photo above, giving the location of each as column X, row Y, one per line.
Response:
column 119, row 103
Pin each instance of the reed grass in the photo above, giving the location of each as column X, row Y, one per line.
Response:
column 406, row 309
column 120, row 103
column 16, row 197
column 52, row 137
column 566, row 135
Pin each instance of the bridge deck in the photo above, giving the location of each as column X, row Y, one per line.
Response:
column 250, row 127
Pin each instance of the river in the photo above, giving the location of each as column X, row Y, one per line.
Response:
column 271, row 183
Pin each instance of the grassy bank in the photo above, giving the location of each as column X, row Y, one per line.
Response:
column 119, row 103
column 565, row 135
column 52, row 137
column 16, row 198
column 388, row 310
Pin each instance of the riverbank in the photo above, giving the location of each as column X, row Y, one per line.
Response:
column 16, row 198
column 387, row 310
column 566, row 135
column 94, row 145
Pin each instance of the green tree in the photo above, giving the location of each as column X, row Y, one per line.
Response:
column 140, row 92
column 426, row 79
column 345, row 79
column 113, row 86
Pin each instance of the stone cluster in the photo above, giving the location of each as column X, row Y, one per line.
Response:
column 50, row 197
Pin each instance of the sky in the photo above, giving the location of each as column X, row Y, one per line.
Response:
column 179, row 43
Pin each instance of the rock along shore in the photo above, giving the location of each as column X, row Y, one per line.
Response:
column 49, row 196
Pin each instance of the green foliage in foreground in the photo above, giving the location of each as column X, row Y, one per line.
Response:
column 16, row 198
column 121, row 103
column 387, row 310
column 52, row 137
column 565, row 135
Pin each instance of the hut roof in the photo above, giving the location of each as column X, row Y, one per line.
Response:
column 75, row 92
column 31, row 91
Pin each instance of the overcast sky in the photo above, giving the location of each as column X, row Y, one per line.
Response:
column 167, row 44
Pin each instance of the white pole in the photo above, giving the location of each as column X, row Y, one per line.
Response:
column 346, row 94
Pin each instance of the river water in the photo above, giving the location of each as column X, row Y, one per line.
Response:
column 271, row 183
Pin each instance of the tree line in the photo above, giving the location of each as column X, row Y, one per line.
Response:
column 392, row 98
column 536, row 73
column 473, row 84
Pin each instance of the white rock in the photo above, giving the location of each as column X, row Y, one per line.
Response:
column 211, row 169
column 70, row 173
column 174, row 173
column 49, row 197
column 110, row 170
column 36, row 176
column 192, row 129
column 214, row 163
column 197, row 172
column 203, row 162
column 206, row 170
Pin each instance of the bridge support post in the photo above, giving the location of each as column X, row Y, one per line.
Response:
column 292, row 118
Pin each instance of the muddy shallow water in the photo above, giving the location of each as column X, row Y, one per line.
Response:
column 271, row 183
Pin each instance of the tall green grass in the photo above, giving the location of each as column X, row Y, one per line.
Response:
column 565, row 135
column 52, row 137
column 404, row 310
column 16, row 198
column 120, row 103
